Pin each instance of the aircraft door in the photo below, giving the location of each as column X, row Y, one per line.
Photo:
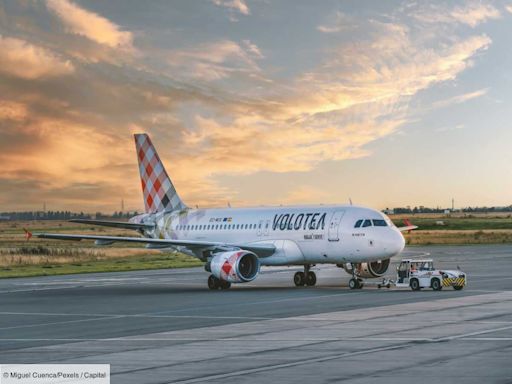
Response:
column 260, row 227
column 267, row 228
column 334, row 226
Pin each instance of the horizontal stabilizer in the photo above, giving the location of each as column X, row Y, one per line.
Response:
column 115, row 224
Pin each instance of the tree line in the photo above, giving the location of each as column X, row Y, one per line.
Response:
column 62, row 215
column 422, row 209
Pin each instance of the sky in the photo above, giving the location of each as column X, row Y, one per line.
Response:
column 256, row 102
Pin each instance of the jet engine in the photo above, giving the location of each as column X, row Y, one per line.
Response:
column 368, row 270
column 235, row 266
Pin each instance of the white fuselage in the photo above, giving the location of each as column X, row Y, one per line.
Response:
column 300, row 234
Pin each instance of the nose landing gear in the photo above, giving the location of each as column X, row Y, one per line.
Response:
column 355, row 282
column 305, row 278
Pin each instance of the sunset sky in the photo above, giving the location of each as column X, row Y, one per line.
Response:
column 390, row 103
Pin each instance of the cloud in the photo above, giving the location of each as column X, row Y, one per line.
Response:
column 217, row 60
column 213, row 108
column 356, row 96
column 341, row 22
column 472, row 13
column 252, row 49
column 12, row 111
column 459, row 99
column 22, row 59
column 236, row 5
column 90, row 25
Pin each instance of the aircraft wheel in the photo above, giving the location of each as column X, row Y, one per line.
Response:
column 311, row 279
column 436, row 285
column 213, row 282
column 225, row 284
column 415, row 285
column 299, row 279
column 458, row 287
column 353, row 283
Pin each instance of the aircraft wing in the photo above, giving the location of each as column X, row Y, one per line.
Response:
column 262, row 250
column 115, row 224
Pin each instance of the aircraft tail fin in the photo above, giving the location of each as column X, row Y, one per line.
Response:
column 157, row 188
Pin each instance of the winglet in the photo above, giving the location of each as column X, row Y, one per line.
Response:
column 28, row 234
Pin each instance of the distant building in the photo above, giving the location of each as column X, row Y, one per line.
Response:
column 5, row 218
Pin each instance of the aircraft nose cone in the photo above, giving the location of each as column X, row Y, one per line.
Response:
column 396, row 243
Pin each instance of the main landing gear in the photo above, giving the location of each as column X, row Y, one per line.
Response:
column 214, row 283
column 305, row 278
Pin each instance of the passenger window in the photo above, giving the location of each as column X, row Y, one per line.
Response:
column 379, row 223
column 245, row 226
column 358, row 223
column 367, row 223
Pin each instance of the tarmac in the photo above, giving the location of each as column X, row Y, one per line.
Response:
column 165, row 326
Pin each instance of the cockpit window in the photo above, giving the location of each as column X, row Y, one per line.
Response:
column 367, row 223
column 379, row 223
column 358, row 223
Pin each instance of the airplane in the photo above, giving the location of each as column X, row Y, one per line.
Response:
column 235, row 242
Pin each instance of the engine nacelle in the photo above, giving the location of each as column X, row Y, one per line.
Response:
column 368, row 270
column 235, row 266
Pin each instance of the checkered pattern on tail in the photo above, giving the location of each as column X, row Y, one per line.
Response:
column 159, row 193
